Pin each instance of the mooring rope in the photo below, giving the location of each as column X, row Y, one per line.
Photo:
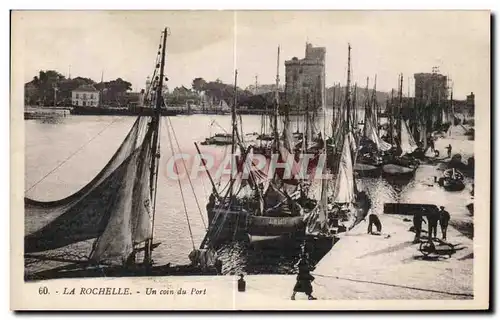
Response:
column 71, row 155
column 393, row 285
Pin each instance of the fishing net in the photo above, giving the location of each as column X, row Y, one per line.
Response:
column 115, row 207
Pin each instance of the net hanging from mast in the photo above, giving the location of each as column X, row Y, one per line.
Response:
column 114, row 208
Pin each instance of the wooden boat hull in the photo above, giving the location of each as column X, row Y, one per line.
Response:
column 237, row 225
column 454, row 186
column 275, row 226
column 397, row 173
column 317, row 245
column 277, row 242
column 119, row 271
column 367, row 170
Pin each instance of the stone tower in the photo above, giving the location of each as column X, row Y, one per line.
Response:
column 305, row 80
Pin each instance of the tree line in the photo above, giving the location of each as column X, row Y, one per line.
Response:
column 51, row 88
column 213, row 92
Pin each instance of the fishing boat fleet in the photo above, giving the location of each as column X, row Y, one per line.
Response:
column 292, row 202
column 268, row 205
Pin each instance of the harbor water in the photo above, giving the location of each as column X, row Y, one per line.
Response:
column 80, row 146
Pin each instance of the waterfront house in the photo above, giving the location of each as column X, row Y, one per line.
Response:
column 86, row 96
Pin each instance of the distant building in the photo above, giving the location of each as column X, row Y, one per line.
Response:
column 431, row 94
column 305, row 79
column 464, row 107
column 85, row 96
column 134, row 99
column 471, row 104
column 264, row 88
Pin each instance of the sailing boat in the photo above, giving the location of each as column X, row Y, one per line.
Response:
column 402, row 165
column 259, row 205
column 346, row 207
column 101, row 229
column 372, row 147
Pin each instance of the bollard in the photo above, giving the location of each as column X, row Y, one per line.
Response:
column 241, row 284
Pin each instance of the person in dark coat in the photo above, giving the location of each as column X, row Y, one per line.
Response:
column 431, row 143
column 373, row 220
column 304, row 279
column 432, row 220
column 417, row 225
column 444, row 218
column 449, row 150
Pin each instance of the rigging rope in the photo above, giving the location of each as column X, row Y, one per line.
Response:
column 189, row 178
column 71, row 155
column 182, row 193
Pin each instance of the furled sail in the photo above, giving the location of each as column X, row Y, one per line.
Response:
column 423, row 135
column 372, row 134
column 344, row 185
column 119, row 194
column 408, row 144
column 287, row 135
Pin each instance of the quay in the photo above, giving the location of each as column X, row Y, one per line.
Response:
column 389, row 266
column 39, row 113
column 359, row 267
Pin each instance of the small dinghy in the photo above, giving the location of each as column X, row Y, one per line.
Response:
column 452, row 180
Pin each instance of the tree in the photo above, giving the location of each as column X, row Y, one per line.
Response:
column 41, row 89
column 113, row 92
column 198, row 85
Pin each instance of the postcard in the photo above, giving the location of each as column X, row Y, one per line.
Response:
column 250, row 160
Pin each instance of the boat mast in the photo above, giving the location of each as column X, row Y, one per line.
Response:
column 276, row 106
column 324, row 118
column 333, row 109
column 391, row 119
column 400, row 111
column 375, row 106
column 354, row 103
column 155, row 122
column 367, row 104
column 347, row 91
column 306, row 133
column 233, row 133
column 452, row 107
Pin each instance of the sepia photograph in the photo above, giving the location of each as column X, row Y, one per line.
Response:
column 233, row 160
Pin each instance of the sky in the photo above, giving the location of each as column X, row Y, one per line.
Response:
column 212, row 44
